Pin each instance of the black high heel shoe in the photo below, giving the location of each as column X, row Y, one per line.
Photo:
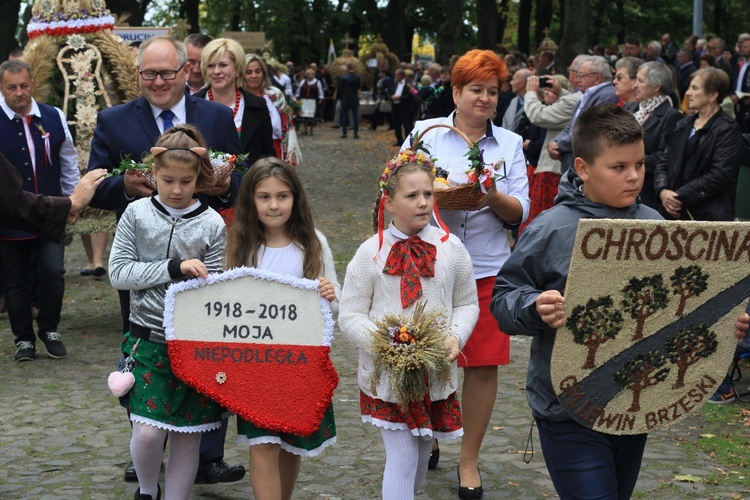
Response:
column 466, row 493
column 434, row 457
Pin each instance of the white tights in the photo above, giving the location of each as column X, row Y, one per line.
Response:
column 406, row 458
column 147, row 451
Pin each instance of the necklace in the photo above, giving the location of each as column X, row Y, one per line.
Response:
column 237, row 98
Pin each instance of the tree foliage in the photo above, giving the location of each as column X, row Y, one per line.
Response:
column 688, row 282
column 688, row 347
column 593, row 324
column 642, row 298
column 646, row 370
column 300, row 29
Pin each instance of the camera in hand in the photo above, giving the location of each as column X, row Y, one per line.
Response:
column 545, row 81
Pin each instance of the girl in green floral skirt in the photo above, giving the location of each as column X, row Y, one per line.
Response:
column 167, row 237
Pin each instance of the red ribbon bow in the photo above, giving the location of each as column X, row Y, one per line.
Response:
column 411, row 258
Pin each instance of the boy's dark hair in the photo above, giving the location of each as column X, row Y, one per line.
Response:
column 600, row 127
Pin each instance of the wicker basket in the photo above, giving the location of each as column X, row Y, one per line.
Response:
column 464, row 197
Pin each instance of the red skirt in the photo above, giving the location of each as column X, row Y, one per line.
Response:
column 228, row 215
column 441, row 419
column 277, row 147
column 542, row 192
column 488, row 345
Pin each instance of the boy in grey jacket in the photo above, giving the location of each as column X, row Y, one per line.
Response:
column 527, row 299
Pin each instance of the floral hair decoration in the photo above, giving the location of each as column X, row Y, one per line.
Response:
column 415, row 154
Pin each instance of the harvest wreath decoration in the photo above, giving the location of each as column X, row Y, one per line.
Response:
column 412, row 353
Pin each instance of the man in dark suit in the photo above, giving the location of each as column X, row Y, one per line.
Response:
column 595, row 82
column 348, row 94
column 132, row 129
column 404, row 104
column 715, row 47
column 742, row 84
column 685, row 68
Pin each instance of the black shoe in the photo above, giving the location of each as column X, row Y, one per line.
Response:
column 434, row 457
column 343, row 136
column 139, row 496
column 217, row 471
column 130, row 474
column 87, row 272
column 55, row 347
column 466, row 493
column 396, row 143
column 334, row 126
column 356, row 136
column 25, row 351
column 99, row 271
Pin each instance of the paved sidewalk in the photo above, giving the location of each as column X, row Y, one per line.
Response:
column 63, row 436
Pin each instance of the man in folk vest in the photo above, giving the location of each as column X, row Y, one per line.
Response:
column 36, row 140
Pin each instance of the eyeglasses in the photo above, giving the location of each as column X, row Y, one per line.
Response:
column 587, row 75
column 167, row 74
column 620, row 77
column 571, row 70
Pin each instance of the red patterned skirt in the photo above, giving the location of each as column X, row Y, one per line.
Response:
column 441, row 419
column 542, row 192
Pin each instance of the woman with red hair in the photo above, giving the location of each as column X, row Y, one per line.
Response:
column 476, row 80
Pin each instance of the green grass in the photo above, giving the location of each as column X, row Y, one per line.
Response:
column 725, row 437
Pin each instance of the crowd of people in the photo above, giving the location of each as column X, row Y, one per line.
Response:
column 550, row 132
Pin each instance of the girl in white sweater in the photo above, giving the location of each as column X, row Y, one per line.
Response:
column 380, row 280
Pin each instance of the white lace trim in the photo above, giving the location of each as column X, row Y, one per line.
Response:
column 241, row 272
column 401, row 426
column 241, row 439
column 162, row 425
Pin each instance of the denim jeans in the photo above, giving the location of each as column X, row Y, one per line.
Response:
column 16, row 256
column 587, row 464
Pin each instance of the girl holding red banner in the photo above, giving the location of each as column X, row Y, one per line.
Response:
column 274, row 231
column 409, row 268
column 168, row 237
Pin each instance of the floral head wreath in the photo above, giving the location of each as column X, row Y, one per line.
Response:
column 417, row 155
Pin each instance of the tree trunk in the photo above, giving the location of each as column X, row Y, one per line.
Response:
column 394, row 35
column 449, row 31
column 636, row 403
column 502, row 21
column 374, row 18
column 620, row 15
column 681, row 370
column 717, row 16
column 575, row 39
column 487, row 17
column 524, row 26
column 639, row 324
column 8, row 24
column 543, row 16
column 189, row 11
column 408, row 42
